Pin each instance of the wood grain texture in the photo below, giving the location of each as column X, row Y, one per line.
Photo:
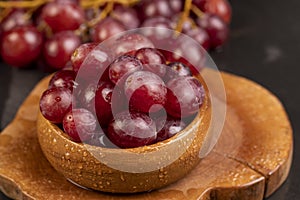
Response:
column 251, row 159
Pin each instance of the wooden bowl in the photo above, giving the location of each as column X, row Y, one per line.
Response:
column 125, row 170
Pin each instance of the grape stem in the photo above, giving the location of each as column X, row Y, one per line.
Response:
column 4, row 13
column 197, row 11
column 37, row 3
column 22, row 4
column 93, row 3
column 109, row 7
column 184, row 15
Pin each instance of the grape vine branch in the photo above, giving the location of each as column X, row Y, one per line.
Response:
column 36, row 3
column 8, row 5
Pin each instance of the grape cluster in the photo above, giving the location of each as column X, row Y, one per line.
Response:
column 141, row 98
column 48, row 32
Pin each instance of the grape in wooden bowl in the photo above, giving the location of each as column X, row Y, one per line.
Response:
column 141, row 126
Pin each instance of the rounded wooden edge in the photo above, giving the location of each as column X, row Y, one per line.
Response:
column 277, row 172
column 11, row 189
column 252, row 191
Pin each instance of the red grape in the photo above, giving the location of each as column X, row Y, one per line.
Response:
column 185, row 96
column 80, row 54
column 152, row 60
column 145, row 91
column 63, row 15
column 168, row 128
column 103, row 102
column 79, row 124
column 59, row 48
column 158, row 21
column 63, row 78
column 105, row 29
column 129, row 130
column 150, row 56
column 122, row 67
column 220, row 8
column 127, row 16
column 86, row 95
column 216, row 28
column 55, row 103
column 176, row 69
column 201, row 36
column 194, row 58
column 130, row 43
column 14, row 19
column 176, row 5
column 95, row 65
column 100, row 139
column 161, row 33
column 21, row 45
column 164, row 8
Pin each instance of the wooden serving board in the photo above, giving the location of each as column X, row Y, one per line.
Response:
column 250, row 161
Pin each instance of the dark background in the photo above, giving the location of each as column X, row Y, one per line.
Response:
column 264, row 46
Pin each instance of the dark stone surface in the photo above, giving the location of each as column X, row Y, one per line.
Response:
column 264, row 46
